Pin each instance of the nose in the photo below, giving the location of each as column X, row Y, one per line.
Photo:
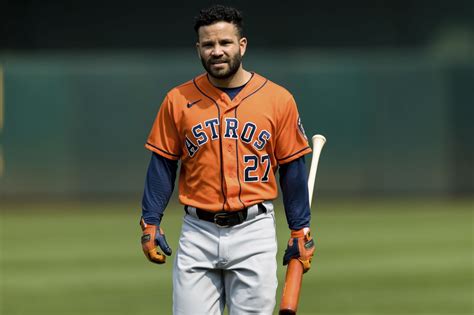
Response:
column 217, row 51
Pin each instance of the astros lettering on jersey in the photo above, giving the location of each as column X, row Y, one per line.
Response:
column 229, row 149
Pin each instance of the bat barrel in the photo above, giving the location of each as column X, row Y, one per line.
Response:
column 318, row 138
column 318, row 144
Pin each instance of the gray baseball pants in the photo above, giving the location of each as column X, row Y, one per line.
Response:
column 218, row 266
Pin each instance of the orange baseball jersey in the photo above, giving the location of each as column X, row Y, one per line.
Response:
column 229, row 149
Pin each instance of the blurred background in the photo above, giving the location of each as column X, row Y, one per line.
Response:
column 389, row 83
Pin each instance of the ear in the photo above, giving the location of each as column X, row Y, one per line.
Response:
column 243, row 45
column 197, row 50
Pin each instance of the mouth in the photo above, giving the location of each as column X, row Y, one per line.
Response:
column 218, row 62
column 218, row 66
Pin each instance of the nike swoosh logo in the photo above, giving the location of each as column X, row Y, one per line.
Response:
column 192, row 103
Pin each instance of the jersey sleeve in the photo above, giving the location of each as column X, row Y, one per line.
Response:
column 159, row 185
column 164, row 138
column 294, row 187
column 291, row 142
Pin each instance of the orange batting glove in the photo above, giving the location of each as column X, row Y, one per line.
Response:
column 152, row 236
column 301, row 247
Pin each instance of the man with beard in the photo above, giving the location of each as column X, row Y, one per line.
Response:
column 231, row 129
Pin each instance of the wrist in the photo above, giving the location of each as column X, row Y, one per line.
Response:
column 301, row 232
column 151, row 219
column 147, row 224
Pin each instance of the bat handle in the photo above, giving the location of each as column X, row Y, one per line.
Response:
column 291, row 290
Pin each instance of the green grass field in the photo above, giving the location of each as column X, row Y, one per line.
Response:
column 410, row 257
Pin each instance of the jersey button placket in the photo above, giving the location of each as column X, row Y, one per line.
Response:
column 230, row 169
column 230, row 174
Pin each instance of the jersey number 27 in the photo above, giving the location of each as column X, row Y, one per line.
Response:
column 252, row 164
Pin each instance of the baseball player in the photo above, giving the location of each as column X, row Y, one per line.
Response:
column 231, row 129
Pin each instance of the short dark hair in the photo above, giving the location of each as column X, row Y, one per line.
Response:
column 219, row 13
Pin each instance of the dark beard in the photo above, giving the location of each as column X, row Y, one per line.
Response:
column 234, row 64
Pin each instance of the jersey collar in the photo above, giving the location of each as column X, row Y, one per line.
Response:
column 255, row 83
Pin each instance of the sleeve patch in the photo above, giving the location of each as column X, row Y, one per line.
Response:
column 301, row 129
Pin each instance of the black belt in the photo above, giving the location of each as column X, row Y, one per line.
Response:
column 225, row 218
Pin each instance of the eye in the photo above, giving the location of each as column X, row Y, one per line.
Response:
column 206, row 44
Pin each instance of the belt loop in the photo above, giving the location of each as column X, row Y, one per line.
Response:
column 268, row 204
column 191, row 211
column 252, row 212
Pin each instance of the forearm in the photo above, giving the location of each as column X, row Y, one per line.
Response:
column 159, row 185
column 294, row 186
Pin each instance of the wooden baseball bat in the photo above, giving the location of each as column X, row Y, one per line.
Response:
column 294, row 271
